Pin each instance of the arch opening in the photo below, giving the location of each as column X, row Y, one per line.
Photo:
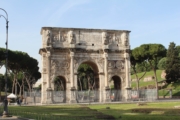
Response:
column 115, row 86
column 87, row 77
column 88, row 82
column 59, row 93
column 59, row 83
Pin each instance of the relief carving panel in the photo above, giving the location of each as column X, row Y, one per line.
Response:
column 115, row 66
column 61, row 36
column 98, row 61
column 60, row 68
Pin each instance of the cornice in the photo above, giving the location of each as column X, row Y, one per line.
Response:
column 80, row 50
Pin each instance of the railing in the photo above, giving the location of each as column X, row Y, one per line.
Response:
column 32, row 97
column 143, row 95
column 87, row 96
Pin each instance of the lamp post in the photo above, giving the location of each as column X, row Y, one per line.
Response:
column 5, row 113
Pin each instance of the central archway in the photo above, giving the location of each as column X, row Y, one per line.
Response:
column 88, row 82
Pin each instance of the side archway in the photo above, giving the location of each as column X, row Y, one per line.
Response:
column 115, row 87
column 59, row 83
column 59, row 94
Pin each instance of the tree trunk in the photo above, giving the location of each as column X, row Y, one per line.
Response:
column 62, row 85
column 156, row 80
column 94, row 83
column 20, row 88
column 80, row 83
column 89, row 84
column 28, row 85
column 16, row 87
column 138, row 79
column 13, row 86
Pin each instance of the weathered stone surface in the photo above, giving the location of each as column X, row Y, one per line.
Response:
column 64, row 49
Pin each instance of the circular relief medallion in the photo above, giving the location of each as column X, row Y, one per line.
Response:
column 111, row 64
column 119, row 64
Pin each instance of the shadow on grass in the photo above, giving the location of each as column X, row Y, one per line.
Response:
column 143, row 114
column 98, row 113
column 58, row 113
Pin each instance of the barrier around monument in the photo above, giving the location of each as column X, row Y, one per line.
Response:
column 91, row 96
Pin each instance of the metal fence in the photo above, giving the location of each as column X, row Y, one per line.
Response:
column 32, row 97
column 144, row 95
column 92, row 96
column 59, row 96
column 87, row 96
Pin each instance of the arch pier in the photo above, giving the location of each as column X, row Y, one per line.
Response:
column 65, row 49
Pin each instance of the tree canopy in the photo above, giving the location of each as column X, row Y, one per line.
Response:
column 20, row 63
column 172, row 64
column 86, row 78
column 151, row 53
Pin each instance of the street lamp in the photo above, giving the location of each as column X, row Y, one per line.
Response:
column 5, row 113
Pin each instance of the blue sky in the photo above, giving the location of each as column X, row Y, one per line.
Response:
column 150, row 21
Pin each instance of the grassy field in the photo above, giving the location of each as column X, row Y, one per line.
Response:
column 147, row 111
column 142, row 83
column 164, row 91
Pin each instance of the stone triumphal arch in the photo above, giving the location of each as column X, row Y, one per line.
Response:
column 64, row 49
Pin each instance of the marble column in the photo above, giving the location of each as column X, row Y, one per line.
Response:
column 105, row 70
column 72, row 69
column 49, row 89
column 101, row 86
column 73, row 89
column 128, row 77
column 107, row 89
column 48, row 70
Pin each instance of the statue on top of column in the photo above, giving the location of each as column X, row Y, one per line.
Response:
column 48, row 40
column 125, row 39
column 71, row 38
column 105, row 38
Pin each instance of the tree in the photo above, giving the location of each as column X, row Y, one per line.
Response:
column 59, row 83
column 134, row 62
column 162, row 63
column 86, row 77
column 20, row 64
column 1, row 83
column 16, row 66
column 152, row 53
column 31, row 71
column 37, row 88
column 173, row 64
column 178, row 49
column 2, row 56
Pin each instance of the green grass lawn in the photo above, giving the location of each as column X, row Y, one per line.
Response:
column 164, row 91
column 149, row 111
column 142, row 83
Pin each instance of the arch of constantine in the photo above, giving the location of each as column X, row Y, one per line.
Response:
column 65, row 49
